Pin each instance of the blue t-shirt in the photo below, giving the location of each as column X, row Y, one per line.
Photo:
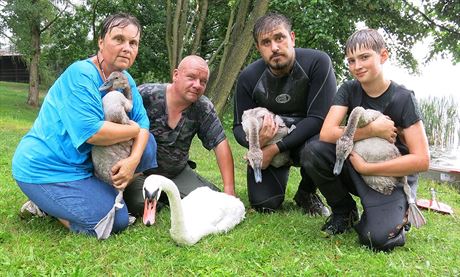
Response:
column 55, row 149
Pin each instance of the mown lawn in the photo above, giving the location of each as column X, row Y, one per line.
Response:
column 286, row 243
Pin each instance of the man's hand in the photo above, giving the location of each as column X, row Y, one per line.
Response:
column 269, row 152
column 267, row 131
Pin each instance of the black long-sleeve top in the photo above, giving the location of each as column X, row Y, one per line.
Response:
column 302, row 98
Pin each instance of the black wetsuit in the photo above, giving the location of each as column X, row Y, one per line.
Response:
column 302, row 98
column 381, row 223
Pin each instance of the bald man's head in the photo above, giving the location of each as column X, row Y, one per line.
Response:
column 190, row 79
column 193, row 61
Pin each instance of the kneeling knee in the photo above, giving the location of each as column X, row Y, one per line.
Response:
column 121, row 221
column 268, row 205
column 380, row 242
column 312, row 152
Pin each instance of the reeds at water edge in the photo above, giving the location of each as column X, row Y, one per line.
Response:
column 441, row 117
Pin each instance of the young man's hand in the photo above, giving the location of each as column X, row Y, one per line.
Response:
column 384, row 127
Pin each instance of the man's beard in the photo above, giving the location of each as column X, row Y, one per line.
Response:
column 277, row 65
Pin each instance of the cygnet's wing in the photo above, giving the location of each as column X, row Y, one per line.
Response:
column 283, row 130
column 376, row 149
column 382, row 184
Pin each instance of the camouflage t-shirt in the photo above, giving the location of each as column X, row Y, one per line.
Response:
column 174, row 144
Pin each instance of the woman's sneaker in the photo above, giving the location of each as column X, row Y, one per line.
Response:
column 131, row 220
column 29, row 208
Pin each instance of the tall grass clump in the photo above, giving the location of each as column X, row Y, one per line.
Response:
column 442, row 120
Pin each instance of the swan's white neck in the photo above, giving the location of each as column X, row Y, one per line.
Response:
column 175, row 205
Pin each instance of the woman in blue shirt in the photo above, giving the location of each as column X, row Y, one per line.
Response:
column 52, row 163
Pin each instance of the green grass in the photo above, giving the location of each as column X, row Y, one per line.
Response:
column 282, row 244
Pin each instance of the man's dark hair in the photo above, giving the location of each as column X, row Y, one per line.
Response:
column 269, row 22
column 118, row 20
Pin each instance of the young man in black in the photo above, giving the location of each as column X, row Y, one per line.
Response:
column 297, row 84
column 382, row 224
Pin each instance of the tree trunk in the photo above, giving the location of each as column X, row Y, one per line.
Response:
column 32, row 99
column 203, row 6
column 222, row 80
column 175, row 30
column 181, row 30
column 169, row 36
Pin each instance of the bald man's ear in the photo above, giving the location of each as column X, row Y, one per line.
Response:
column 175, row 74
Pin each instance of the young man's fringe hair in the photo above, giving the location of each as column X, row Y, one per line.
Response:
column 365, row 38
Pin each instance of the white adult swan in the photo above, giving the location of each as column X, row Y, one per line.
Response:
column 200, row 213
column 373, row 150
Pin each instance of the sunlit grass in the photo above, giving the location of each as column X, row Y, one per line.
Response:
column 286, row 243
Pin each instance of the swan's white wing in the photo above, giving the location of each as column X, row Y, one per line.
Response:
column 200, row 205
column 233, row 213
column 214, row 211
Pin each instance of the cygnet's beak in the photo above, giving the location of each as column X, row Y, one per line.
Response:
column 106, row 85
column 150, row 207
column 258, row 174
column 338, row 166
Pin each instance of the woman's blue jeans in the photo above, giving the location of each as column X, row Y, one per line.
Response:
column 85, row 202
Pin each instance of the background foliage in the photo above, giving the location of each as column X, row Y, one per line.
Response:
column 318, row 24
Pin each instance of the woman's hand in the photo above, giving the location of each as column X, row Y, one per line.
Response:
column 123, row 172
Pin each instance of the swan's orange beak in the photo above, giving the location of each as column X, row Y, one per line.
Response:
column 150, row 208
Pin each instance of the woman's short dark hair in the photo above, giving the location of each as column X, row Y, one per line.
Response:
column 269, row 22
column 118, row 20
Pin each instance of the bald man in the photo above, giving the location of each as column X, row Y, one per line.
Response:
column 177, row 111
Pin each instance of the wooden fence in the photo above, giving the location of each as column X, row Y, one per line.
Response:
column 13, row 69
